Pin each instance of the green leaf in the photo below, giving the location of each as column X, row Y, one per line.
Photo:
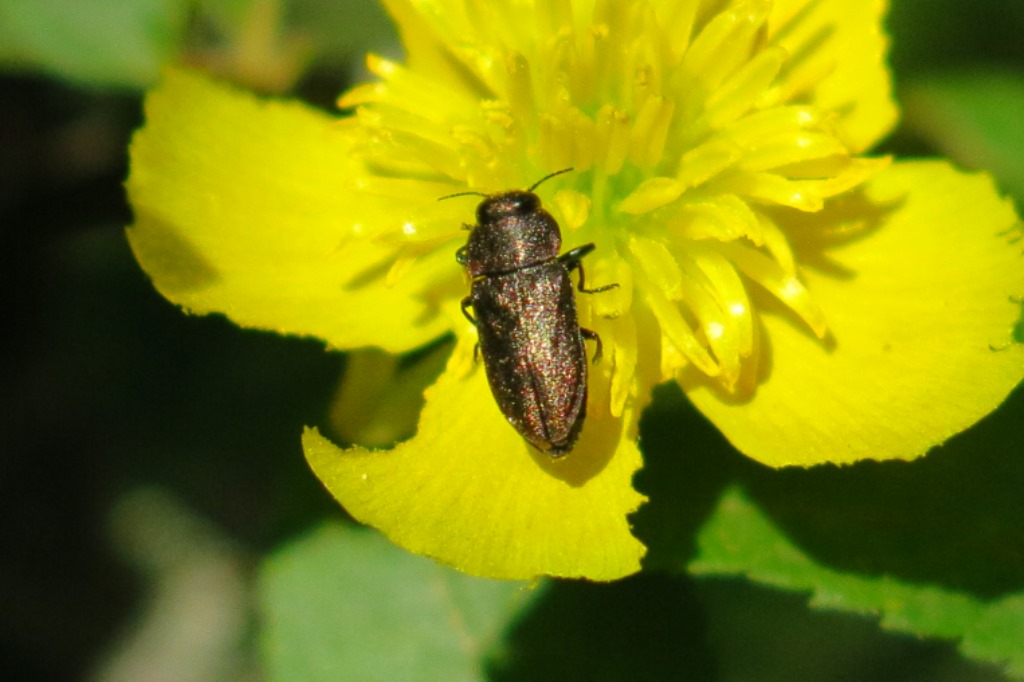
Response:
column 96, row 42
column 345, row 604
column 974, row 117
column 740, row 540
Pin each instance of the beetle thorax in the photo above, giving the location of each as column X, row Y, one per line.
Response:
column 513, row 232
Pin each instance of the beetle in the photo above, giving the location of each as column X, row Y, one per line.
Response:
column 524, row 310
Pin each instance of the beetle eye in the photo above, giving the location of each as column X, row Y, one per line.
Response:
column 526, row 204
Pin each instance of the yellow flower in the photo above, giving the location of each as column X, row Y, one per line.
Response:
column 817, row 305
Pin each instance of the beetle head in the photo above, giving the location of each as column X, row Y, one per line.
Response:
column 517, row 203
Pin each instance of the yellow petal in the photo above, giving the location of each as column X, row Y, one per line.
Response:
column 920, row 311
column 247, row 207
column 837, row 61
column 468, row 491
column 426, row 50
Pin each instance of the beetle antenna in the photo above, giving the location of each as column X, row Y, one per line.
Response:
column 461, row 194
column 532, row 187
column 548, row 177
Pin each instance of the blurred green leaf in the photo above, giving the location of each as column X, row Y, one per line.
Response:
column 1018, row 329
column 975, row 118
column 96, row 42
column 345, row 604
column 940, row 34
column 648, row 626
column 230, row 12
column 346, row 29
column 740, row 540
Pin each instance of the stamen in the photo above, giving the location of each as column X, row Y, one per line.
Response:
column 725, row 44
column 772, row 189
column 659, row 265
column 520, row 89
column 650, row 126
column 624, row 352
column 785, row 287
column 613, row 130
column 745, row 88
column 764, row 124
column 731, row 294
column 792, row 148
column 724, row 218
column 701, row 299
column 651, row 194
column 679, row 25
column 662, row 284
column 777, row 244
column 706, row 161
column 678, row 333
column 582, row 136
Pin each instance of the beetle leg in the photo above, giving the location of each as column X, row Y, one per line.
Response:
column 466, row 303
column 591, row 335
column 573, row 260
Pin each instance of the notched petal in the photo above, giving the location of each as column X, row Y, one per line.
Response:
column 920, row 314
column 247, row 207
column 468, row 491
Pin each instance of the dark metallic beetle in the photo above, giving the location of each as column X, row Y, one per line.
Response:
column 525, row 314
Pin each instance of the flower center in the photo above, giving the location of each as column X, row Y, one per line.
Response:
column 693, row 138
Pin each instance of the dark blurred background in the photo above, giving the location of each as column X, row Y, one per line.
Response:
column 124, row 420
